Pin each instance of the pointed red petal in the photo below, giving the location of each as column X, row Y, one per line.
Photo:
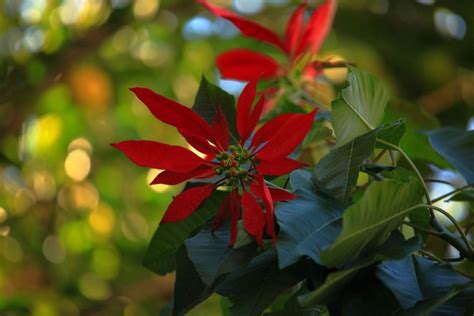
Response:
column 244, row 106
column 253, row 217
column 247, row 27
column 223, row 212
column 288, row 137
column 317, row 28
column 255, row 117
column 221, row 129
column 260, row 189
column 278, row 167
column 279, row 195
column 185, row 203
column 267, row 131
column 246, row 65
column 199, row 143
column 173, row 113
column 294, row 28
column 235, row 216
column 171, row 178
column 156, row 155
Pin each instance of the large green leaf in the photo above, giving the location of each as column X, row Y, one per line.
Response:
column 212, row 256
column 160, row 256
column 308, row 223
column 253, row 288
column 396, row 247
column 457, row 147
column 210, row 99
column 360, row 106
column 369, row 222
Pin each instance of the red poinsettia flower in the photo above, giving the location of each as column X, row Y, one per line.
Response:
column 299, row 40
column 240, row 166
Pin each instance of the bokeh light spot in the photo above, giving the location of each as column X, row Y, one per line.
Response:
column 93, row 287
column 77, row 165
column 145, row 9
column 53, row 250
column 11, row 249
column 102, row 220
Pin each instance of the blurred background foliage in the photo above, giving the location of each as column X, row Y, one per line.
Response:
column 75, row 215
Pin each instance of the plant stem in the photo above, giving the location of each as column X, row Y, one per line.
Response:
column 439, row 181
column 431, row 256
column 439, row 198
column 428, row 231
column 470, row 250
column 465, row 249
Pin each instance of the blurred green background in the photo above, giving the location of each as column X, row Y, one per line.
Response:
column 75, row 215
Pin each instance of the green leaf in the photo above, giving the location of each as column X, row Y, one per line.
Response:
column 160, row 255
column 337, row 172
column 308, row 223
column 209, row 99
column 212, row 256
column 189, row 290
column 253, row 288
column 465, row 267
column 391, row 133
column 369, row 222
column 414, row 142
column 394, row 248
column 457, row 147
column 360, row 106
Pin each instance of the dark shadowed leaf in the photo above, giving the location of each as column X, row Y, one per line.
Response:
column 189, row 290
column 212, row 256
column 308, row 223
column 160, row 256
column 457, row 147
column 400, row 277
column 394, row 248
column 253, row 288
column 209, row 99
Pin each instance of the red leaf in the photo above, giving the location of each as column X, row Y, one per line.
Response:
column 260, row 189
column 317, row 28
column 156, row 155
column 199, row 143
column 247, row 27
column 287, row 137
column 235, row 216
column 254, row 117
column 278, row 167
column 244, row 106
column 246, row 65
column 294, row 28
column 253, row 217
column 185, row 203
column 221, row 129
column 280, row 195
column 223, row 212
column 173, row 113
column 171, row 178
column 267, row 131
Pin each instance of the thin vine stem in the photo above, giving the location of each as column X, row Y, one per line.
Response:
column 456, row 224
column 428, row 231
column 439, row 181
column 439, row 198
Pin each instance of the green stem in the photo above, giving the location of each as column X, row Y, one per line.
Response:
column 439, row 198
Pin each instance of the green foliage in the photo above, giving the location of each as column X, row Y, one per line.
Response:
column 168, row 238
column 369, row 222
column 359, row 107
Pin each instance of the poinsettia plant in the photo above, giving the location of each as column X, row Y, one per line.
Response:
column 272, row 234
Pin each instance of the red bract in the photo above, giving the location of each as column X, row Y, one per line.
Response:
column 239, row 167
column 299, row 39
